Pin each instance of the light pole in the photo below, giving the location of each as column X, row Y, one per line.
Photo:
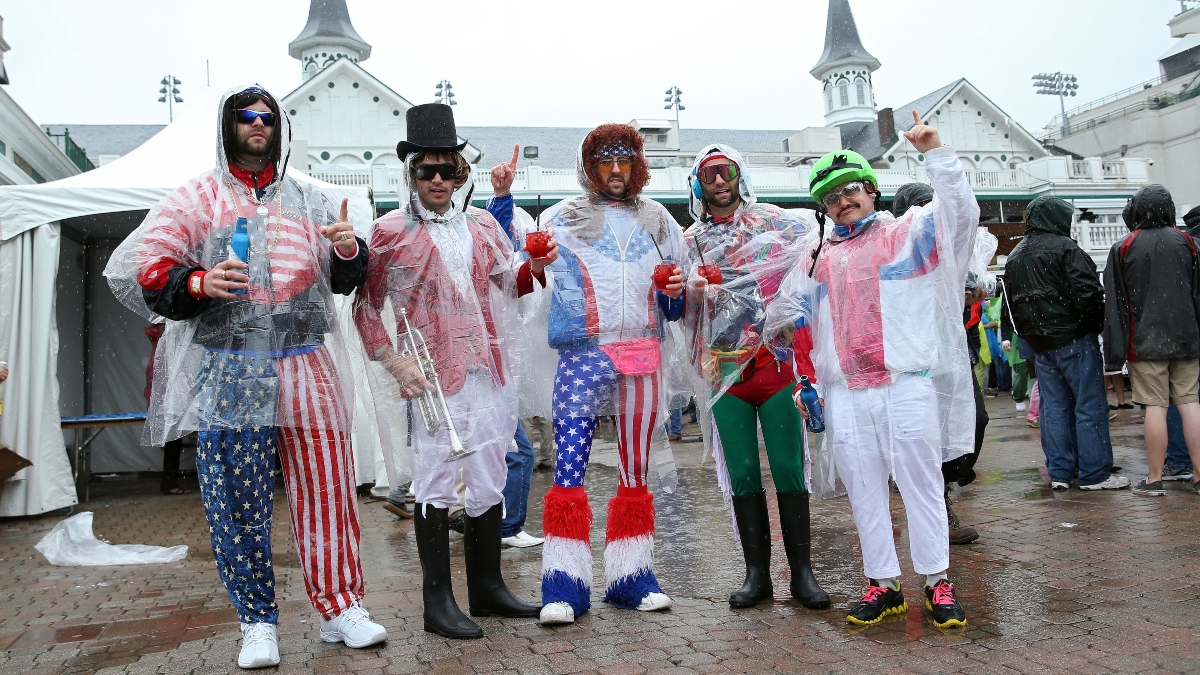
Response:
column 445, row 93
column 673, row 101
column 170, row 95
column 1060, row 85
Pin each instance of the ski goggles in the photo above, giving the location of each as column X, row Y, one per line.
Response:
column 246, row 116
column 428, row 171
column 708, row 173
column 622, row 163
column 849, row 191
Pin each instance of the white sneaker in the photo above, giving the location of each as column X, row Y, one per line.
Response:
column 521, row 539
column 654, row 602
column 1021, row 406
column 260, row 647
column 1059, row 485
column 556, row 613
column 353, row 627
column 1113, row 483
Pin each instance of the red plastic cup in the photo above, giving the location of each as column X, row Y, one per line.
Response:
column 712, row 273
column 537, row 244
column 663, row 272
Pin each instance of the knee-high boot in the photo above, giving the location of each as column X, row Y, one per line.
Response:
column 797, row 542
column 442, row 615
column 754, row 528
column 486, row 593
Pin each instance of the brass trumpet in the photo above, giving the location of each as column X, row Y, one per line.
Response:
column 432, row 403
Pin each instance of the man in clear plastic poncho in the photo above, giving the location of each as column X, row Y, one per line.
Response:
column 741, row 249
column 251, row 359
column 449, row 274
column 609, row 322
column 883, row 301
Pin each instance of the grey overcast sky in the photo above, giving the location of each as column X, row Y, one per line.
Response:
column 740, row 63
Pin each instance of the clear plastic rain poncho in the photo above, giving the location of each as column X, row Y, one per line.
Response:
column 453, row 276
column 725, row 322
column 269, row 359
column 603, row 297
column 888, row 302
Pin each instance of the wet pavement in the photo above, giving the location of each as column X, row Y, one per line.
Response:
column 1063, row 582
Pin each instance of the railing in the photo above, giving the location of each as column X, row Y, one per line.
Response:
column 780, row 182
column 1098, row 236
column 1148, row 84
column 76, row 154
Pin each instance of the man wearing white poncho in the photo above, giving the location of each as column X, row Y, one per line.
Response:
column 883, row 300
column 251, row 360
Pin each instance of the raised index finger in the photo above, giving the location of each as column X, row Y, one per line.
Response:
column 345, row 207
column 917, row 118
column 516, row 150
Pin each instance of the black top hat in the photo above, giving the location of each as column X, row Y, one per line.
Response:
column 430, row 128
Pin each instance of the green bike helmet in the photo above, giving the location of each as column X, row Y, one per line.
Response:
column 836, row 168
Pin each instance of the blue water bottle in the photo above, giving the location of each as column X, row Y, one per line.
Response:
column 812, row 404
column 239, row 248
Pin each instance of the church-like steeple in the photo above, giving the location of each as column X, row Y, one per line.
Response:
column 326, row 37
column 844, row 69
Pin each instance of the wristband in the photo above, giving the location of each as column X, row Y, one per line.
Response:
column 196, row 284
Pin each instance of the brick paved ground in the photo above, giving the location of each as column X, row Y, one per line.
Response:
column 1058, row 582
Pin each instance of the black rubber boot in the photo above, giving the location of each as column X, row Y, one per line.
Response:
column 754, row 528
column 442, row 615
column 486, row 593
column 797, row 543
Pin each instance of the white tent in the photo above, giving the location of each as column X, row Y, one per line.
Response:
column 72, row 348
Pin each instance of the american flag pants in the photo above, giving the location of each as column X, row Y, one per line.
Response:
column 584, row 382
column 235, row 465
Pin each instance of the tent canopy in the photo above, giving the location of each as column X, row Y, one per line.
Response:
column 138, row 180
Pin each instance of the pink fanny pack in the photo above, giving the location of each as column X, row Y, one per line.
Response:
column 634, row 357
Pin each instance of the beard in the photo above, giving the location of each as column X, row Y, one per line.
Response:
column 252, row 148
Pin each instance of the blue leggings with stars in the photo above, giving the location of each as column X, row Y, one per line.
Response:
column 236, row 473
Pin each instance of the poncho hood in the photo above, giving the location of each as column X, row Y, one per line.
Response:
column 695, row 194
column 1151, row 207
column 1050, row 214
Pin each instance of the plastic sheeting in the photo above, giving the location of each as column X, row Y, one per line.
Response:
column 275, row 358
column 71, row 543
column 889, row 302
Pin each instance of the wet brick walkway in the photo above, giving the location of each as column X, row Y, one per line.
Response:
column 1058, row 582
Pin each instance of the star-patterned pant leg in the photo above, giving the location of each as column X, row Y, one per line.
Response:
column 584, row 379
column 235, row 470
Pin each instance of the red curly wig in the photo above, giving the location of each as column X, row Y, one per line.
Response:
column 607, row 134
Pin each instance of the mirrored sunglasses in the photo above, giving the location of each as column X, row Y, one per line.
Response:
column 709, row 173
column 246, row 116
column 849, row 191
column 620, row 162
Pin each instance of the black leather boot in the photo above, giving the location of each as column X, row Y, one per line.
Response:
column 442, row 615
column 797, row 543
column 486, row 593
column 754, row 527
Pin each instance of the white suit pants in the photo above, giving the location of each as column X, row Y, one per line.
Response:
column 892, row 429
column 484, row 416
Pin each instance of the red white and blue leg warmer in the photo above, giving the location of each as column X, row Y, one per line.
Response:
column 629, row 547
column 567, row 552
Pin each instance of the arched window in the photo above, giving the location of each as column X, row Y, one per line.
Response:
column 862, row 93
column 844, row 94
column 828, row 98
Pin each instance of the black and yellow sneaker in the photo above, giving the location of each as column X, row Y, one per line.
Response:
column 877, row 602
column 940, row 600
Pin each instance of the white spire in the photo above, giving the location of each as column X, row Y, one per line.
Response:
column 326, row 37
column 844, row 69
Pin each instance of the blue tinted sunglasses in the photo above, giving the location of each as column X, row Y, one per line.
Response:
column 246, row 116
